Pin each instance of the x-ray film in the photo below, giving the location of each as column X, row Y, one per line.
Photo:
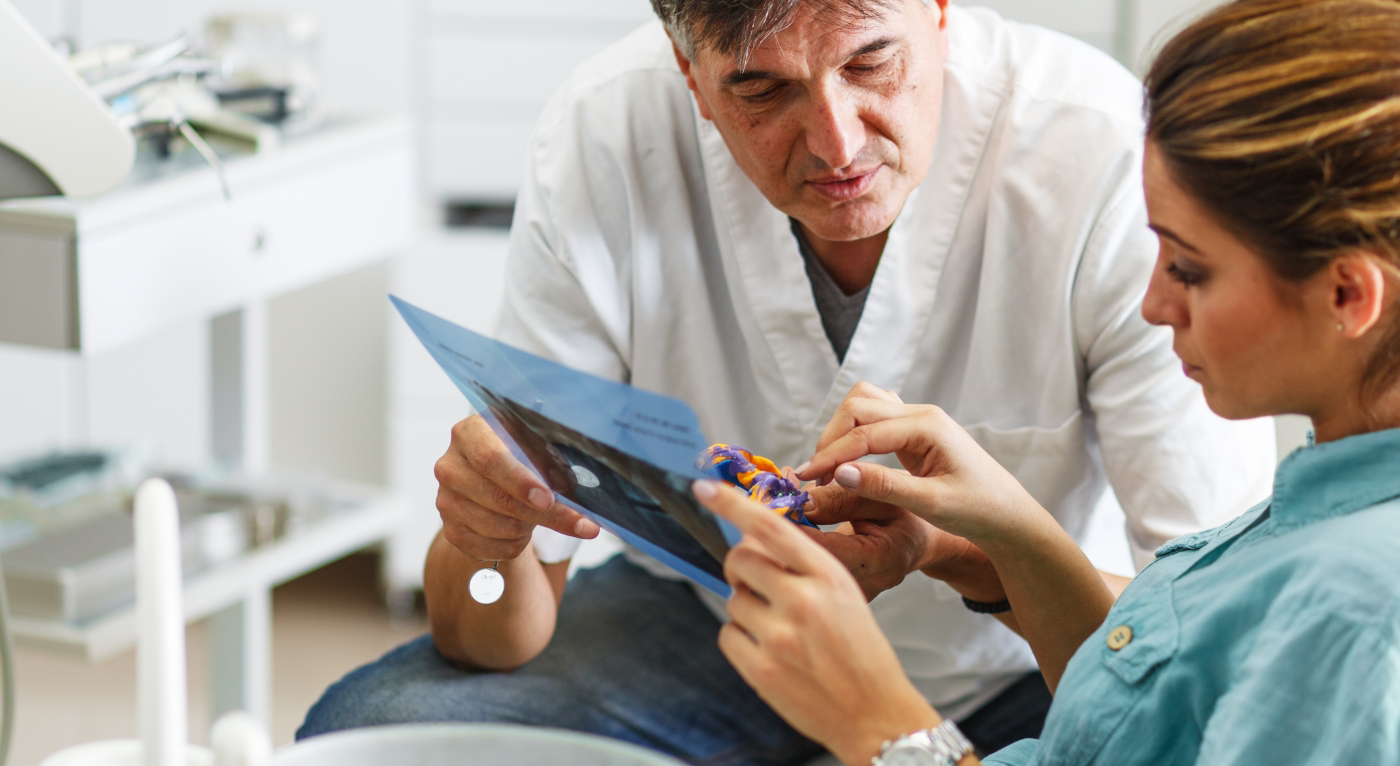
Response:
column 619, row 455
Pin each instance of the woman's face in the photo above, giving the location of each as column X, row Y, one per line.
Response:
column 1250, row 338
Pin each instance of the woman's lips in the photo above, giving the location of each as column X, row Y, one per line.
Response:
column 1191, row 370
column 845, row 188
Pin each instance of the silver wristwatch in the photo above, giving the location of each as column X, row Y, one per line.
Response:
column 942, row 745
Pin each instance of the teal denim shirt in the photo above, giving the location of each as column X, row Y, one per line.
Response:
column 1274, row 639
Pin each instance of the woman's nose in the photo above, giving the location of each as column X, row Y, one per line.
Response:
column 1164, row 303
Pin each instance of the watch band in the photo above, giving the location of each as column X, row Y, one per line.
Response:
column 943, row 745
column 987, row 607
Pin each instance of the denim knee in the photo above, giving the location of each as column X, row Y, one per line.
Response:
column 387, row 691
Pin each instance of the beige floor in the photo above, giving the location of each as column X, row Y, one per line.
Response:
column 324, row 624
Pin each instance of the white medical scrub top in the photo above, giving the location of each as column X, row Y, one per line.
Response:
column 1008, row 294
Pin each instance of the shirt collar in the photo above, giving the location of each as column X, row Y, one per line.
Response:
column 1337, row 478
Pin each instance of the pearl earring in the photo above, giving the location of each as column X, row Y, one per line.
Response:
column 1340, row 328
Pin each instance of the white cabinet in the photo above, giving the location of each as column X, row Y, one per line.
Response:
column 92, row 275
column 486, row 70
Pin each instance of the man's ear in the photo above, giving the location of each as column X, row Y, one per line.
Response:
column 688, row 69
column 1360, row 293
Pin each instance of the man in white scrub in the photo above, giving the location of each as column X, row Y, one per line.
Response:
column 753, row 206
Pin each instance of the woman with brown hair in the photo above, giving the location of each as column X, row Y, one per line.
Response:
column 1272, row 176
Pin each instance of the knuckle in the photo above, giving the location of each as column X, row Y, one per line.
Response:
column 464, row 430
column 503, row 527
column 458, row 537
column 511, row 549
column 445, row 470
column 864, row 388
column 448, row 504
column 501, row 501
column 884, row 484
column 782, row 641
column 481, row 455
column 764, row 672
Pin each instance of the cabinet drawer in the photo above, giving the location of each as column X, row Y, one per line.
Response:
column 271, row 238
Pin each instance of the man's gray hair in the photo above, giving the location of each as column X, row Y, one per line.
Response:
column 736, row 27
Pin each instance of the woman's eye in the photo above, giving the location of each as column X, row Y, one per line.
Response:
column 1184, row 276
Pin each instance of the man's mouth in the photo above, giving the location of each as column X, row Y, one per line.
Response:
column 839, row 188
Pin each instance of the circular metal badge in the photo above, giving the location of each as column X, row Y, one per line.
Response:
column 486, row 586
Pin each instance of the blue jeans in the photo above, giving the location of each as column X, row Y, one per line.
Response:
column 633, row 657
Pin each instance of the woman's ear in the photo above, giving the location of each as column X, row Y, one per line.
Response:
column 1360, row 293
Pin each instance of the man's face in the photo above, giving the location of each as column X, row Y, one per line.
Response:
column 833, row 118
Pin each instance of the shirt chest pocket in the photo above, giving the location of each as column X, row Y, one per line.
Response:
column 1109, row 676
column 1137, row 641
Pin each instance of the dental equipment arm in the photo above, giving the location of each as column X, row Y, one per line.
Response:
column 56, row 135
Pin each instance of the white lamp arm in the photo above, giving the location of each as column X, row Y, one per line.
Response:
column 56, row 135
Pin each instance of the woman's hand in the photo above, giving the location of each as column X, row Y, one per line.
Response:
column 803, row 637
column 1056, row 595
column 951, row 481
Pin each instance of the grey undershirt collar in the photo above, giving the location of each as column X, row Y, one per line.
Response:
column 840, row 312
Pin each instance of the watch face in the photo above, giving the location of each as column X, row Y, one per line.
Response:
column 909, row 754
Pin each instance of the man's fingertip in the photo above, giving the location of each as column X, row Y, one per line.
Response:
column 541, row 499
column 586, row 529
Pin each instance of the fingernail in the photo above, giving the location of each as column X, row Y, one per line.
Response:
column 704, row 490
column 582, row 527
column 848, row 476
column 540, row 498
column 801, row 469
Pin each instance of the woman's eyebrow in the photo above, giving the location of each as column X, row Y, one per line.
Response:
column 1169, row 234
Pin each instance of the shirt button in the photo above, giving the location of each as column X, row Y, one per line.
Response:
column 1120, row 637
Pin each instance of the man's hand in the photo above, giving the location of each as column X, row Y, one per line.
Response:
column 489, row 502
column 879, row 543
column 882, row 543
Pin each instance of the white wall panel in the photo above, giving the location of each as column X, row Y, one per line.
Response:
column 478, row 69
column 458, row 276
column 154, row 391
column 468, row 160
column 1150, row 23
column 328, row 351
column 1089, row 20
column 38, row 393
column 624, row 9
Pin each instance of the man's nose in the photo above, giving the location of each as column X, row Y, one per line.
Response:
column 835, row 131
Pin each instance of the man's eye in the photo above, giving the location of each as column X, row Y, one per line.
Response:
column 762, row 96
column 868, row 68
